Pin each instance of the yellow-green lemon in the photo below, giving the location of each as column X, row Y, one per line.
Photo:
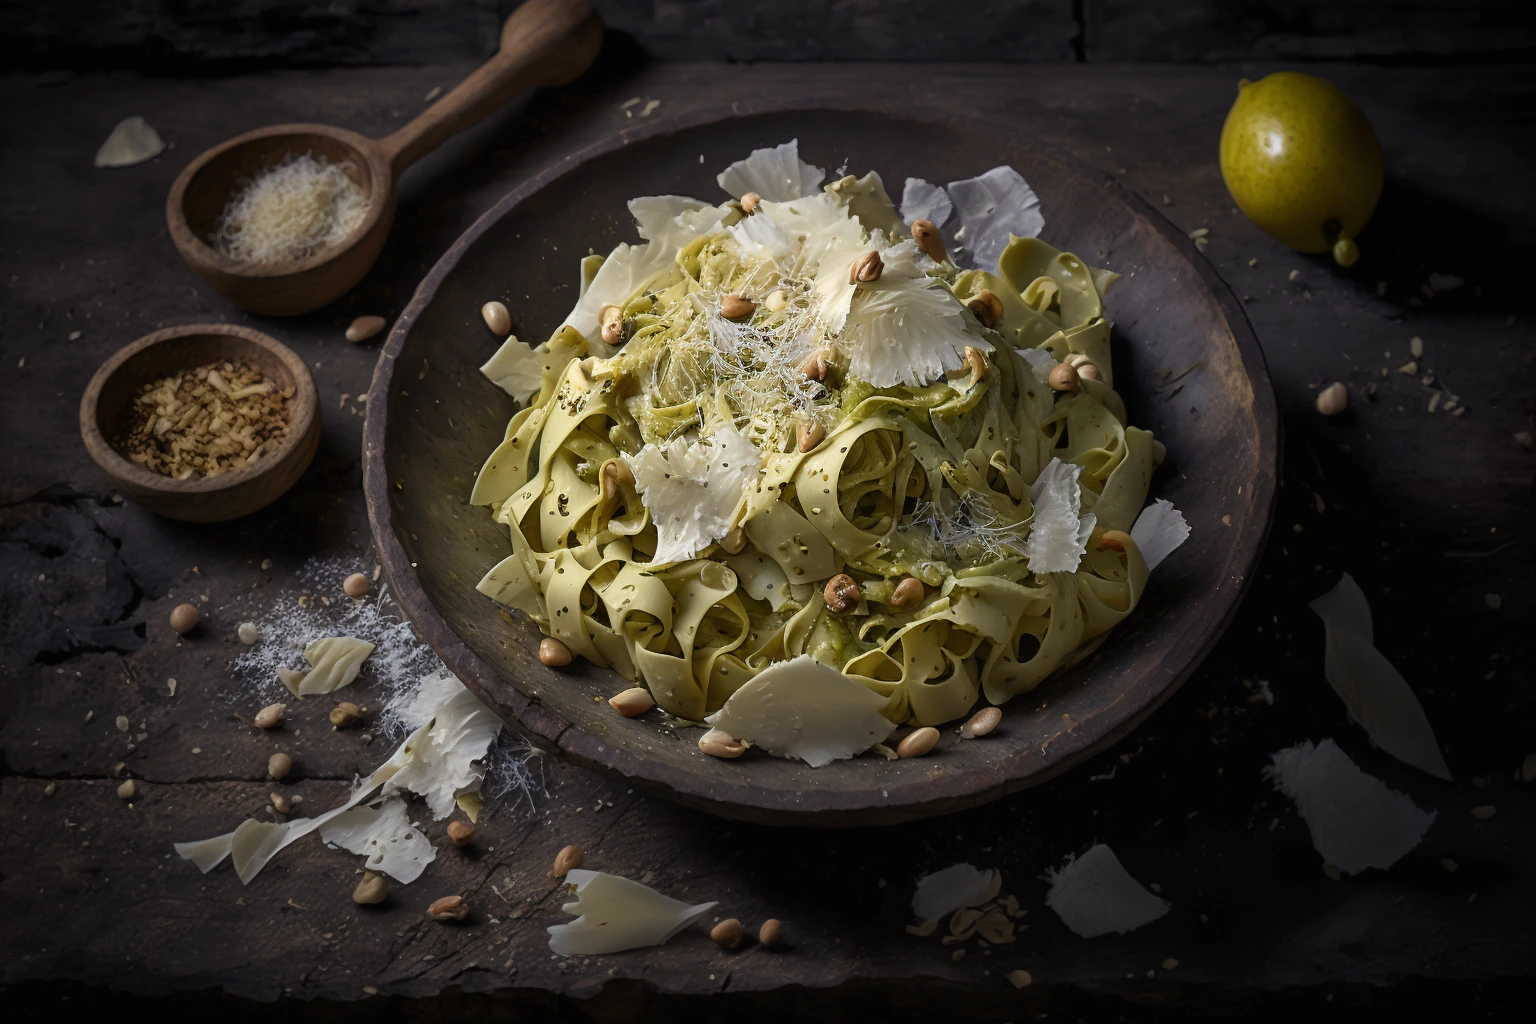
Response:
column 1302, row 162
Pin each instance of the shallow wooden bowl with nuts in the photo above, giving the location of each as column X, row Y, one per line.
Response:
column 1172, row 315
column 105, row 406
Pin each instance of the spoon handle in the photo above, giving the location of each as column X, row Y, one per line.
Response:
column 544, row 42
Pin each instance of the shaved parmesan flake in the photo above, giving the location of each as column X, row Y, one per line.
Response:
column 133, row 141
column 993, row 208
column 1057, row 536
column 777, row 175
column 959, row 885
column 1041, row 363
column 1158, row 531
column 616, row 914
column 694, row 489
column 1094, row 895
column 762, row 238
column 432, row 761
column 923, row 201
column 1376, row 694
column 905, row 328
column 1355, row 820
column 335, row 661
column 802, row 708
column 516, row 369
column 439, row 761
column 384, row 835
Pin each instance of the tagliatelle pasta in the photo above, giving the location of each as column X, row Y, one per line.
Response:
column 780, row 390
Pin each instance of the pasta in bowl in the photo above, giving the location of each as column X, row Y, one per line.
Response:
column 805, row 456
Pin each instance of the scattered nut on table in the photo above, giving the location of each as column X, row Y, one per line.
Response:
column 344, row 713
column 184, row 618
column 449, row 908
column 372, row 889
column 279, row 765
column 269, row 717
column 727, row 933
column 126, row 790
column 279, row 802
column 364, row 327
column 568, row 859
column 249, row 633
column 497, row 318
column 1333, row 399
column 461, row 832
column 771, row 934
column 355, row 585
column 917, row 742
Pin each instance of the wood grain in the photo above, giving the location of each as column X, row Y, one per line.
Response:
column 427, row 434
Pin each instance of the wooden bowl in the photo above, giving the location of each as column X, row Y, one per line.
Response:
column 427, row 434
column 200, row 499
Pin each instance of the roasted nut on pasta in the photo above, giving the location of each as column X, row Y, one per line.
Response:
column 616, row 473
column 866, row 268
column 977, row 363
column 987, row 307
column 814, row 366
column 926, row 235
column 734, row 307
column 908, row 593
column 842, row 592
column 749, row 203
column 809, row 434
column 1063, row 377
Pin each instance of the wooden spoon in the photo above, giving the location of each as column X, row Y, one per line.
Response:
column 543, row 43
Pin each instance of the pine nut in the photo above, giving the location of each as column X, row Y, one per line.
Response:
column 908, row 593
column 279, row 765
column 727, row 933
column 554, row 653
column 184, row 617
column 633, row 702
column 866, row 268
column 269, row 717
column 926, row 235
column 733, row 542
column 355, row 585
column 1333, row 399
column 568, row 859
column 1063, row 377
column 461, row 832
column 917, row 742
column 734, row 307
column 987, row 307
column 449, row 908
column 720, row 744
column 981, row 723
column 809, row 434
column 364, row 327
column 372, row 889
column 497, row 318
column 771, row 934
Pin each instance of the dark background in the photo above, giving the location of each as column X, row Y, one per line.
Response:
column 213, row 36
column 1450, row 89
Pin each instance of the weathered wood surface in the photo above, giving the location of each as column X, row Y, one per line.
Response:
column 221, row 35
column 1428, row 512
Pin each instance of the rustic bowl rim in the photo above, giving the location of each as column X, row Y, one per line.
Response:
column 743, row 801
column 303, row 407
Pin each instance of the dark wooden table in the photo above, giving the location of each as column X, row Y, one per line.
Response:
column 1428, row 511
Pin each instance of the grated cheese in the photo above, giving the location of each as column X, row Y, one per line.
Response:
column 291, row 211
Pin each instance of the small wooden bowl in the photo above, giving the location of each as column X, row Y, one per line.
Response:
column 201, row 499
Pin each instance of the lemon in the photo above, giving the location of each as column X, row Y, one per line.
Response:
column 1302, row 162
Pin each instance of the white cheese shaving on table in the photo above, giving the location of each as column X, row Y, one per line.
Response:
column 693, row 490
column 133, row 141
column 1158, row 531
column 777, row 174
column 1355, row 820
column 1094, row 895
column 1376, row 694
column 616, row 914
column 431, row 761
column 385, row 837
column 1058, row 537
column 334, row 662
column 959, row 885
column 802, row 708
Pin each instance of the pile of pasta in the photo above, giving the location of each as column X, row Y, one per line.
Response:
column 648, row 396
